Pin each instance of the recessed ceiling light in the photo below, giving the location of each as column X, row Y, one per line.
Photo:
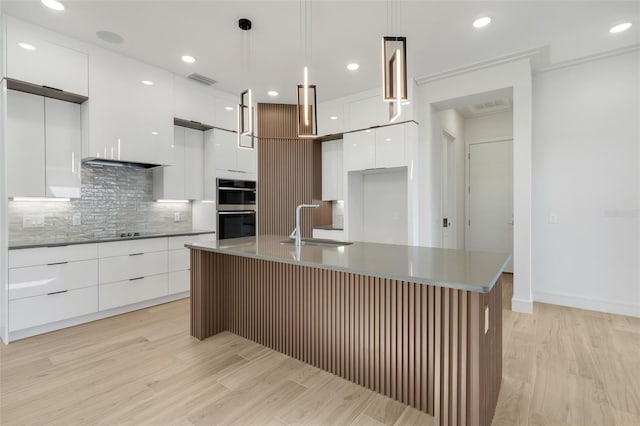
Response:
column 109, row 37
column 333, row 117
column 188, row 59
column 228, row 108
column 155, row 133
column 353, row 66
column 620, row 28
column 272, row 93
column 147, row 82
column 481, row 22
column 53, row 4
column 27, row 46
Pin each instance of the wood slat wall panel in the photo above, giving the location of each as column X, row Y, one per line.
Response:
column 289, row 173
column 422, row 345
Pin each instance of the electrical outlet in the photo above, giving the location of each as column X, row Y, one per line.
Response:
column 177, row 217
column 76, row 219
column 33, row 221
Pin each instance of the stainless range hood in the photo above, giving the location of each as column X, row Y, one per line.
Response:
column 118, row 163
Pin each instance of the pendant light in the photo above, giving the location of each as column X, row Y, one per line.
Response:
column 394, row 64
column 245, row 107
column 307, row 120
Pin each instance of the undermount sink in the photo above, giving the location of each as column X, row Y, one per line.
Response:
column 317, row 242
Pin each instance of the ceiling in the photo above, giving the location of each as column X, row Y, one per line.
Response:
column 439, row 35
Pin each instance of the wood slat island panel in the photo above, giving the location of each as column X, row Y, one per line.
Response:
column 422, row 345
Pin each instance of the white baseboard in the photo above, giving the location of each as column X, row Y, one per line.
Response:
column 522, row 306
column 46, row 328
column 591, row 304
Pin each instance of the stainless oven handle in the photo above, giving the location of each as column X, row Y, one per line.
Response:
column 230, row 188
column 238, row 212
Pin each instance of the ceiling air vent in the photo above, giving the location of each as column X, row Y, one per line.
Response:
column 202, row 79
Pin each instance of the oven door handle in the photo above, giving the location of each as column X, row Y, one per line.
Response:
column 229, row 188
column 238, row 212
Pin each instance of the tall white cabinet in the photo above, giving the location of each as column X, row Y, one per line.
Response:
column 332, row 170
column 43, row 146
column 183, row 179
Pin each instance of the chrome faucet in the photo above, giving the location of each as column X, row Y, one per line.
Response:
column 296, row 232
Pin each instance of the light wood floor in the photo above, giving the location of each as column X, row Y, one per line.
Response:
column 561, row 366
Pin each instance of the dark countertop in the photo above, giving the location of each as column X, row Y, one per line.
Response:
column 91, row 240
column 459, row 269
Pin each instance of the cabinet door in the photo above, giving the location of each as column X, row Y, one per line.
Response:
column 226, row 115
column 339, row 169
column 247, row 158
column 63, row 142
column 359, row 150
column 193, row 164
column 390, row 146
column 331, row 117
column 368, row 112
column 25, row 145
column 330, row 170
column 168, row 181
column 209, row 173
column 130, row 121
column 193, row 101
column 225, row 144
column 46, row 64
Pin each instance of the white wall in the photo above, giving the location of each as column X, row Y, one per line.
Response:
column 490, row 127
column 516, row 75
column 454, row 124
column 385, row 207
column 586, row 175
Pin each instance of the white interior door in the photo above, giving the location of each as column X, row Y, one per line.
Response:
column 448, row 192
column 490, row 222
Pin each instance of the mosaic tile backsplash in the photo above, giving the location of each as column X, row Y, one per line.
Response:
column 113, row 200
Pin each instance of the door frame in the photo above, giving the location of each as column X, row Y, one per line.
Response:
column 445, row 153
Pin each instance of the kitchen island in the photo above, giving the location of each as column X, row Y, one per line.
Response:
column 420, row 325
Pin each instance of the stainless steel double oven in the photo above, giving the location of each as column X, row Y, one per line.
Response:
column 236, row 208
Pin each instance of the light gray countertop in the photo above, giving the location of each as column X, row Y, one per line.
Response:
column 90, row 240
column 464, row 270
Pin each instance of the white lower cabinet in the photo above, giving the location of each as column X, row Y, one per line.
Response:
column 135, row 265
column 48, row 308
column 44, row 279
column 131, row 291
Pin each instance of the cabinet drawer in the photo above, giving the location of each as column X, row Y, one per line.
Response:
column 121, row 268
column 179, row 242
column 42, row 279
column 132, row 291
column 45, row 255
column 125, row 248
column 179, row 281
column 179, row 260
column 38, row 310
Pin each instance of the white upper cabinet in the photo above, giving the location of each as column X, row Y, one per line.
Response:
column 367, row 112
column 63, row 143
column 130, row 111
column 390, row 146
column 332, row 170
column 43, row 146
column 25, row 145
column 183, row 179
column 34, row 59
column 331, row 117
column 231, row 158
column 359, row 150
column 226, row 112
column 193, row 101
column 193, row 164
column 382, row 147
